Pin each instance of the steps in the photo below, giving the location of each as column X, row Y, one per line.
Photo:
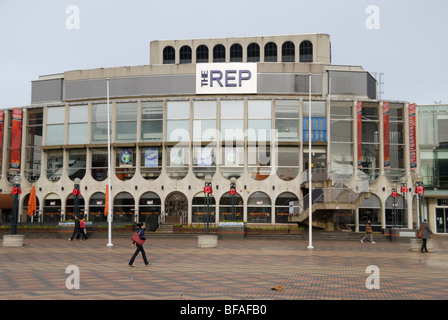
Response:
column 165, row 228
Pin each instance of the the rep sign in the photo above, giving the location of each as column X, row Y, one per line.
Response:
column 218, row 78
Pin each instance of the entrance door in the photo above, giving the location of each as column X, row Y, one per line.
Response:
column 176, row 205
column 442, row 220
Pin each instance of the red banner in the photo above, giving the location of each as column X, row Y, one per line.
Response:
column 359, row 126
column 386, row 135
column 412, row 141
column 1, row 136
column 16, row 139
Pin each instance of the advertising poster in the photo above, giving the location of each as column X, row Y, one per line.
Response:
column 204, row 157
column 151, row 157
column 1, row 136
column 126, row 156
column 177, row 157
column 359, row 127
column 16, row 139
column 386, row 135
column 412, row 141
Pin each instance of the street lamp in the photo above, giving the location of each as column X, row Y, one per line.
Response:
column 76, row 193
column 208, row 191
column 419, row 189
column 16, row 191
column 232, row 197
column 404, row 192
column 394, row 211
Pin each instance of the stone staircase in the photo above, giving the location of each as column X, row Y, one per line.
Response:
column 165, row 229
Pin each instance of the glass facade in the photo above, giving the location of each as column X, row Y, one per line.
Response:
column 256, row 140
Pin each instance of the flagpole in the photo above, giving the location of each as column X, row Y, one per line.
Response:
column 310, row 166
column 109, row 214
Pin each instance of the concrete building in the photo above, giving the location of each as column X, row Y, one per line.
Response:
column 229, row 108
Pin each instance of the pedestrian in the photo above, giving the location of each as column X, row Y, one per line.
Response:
column 141, row 232
column 368, row 232
column 76, row 229
column 424, row 233
column 82, row 229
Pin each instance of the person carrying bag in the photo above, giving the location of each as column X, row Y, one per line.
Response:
column 139, row 239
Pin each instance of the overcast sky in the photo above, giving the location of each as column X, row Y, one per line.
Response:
column 406, row 40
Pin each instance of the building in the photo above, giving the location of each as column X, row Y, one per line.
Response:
column 433, row 152
column 229, row 108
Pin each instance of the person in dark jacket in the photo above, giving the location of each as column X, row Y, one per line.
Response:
column 426, row 231
column 77, row 230
column 141, row 231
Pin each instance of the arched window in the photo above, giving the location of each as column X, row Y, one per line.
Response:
column 169, row 55
column 185, row 55
column 270, row 52
column 306, row 51
column 259, row 208
column 253, row 52
column 288, row 52
column 236, row 53
column 202, row 54
column 219, row 53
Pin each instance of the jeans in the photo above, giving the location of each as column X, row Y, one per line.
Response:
column 139, row 248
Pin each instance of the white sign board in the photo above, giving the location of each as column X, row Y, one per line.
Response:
column 219, row 78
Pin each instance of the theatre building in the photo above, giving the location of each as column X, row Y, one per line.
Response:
column 236, row 109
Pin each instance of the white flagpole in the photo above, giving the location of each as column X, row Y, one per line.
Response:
column 310, row 190
column 109, row 214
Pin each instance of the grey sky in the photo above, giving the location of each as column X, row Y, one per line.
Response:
column 410, row 47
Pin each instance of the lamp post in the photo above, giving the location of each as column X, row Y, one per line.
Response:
column 419, row 189
column 232, row 197
column 394, row 211
column 76, row 193
column 16, row 191
column 208, row 191
column 404, row 191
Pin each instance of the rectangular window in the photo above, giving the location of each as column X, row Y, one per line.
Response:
column 99, row 122
column 55, row 125
column 204, row 124
column 259, row 121
column 77, row 124
column 287, row 120
column 126, row 122
column 178, row 121
column 152, row 121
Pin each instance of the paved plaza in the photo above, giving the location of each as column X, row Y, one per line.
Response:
column 248, row 269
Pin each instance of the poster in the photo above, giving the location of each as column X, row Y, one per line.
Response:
column 126, row 156
column 204, row 157
column 151, row 157
column 16, row 139
column 177, row 157
column 386, row 135
column 1, row 135
column 359, row 127
column 412, row 141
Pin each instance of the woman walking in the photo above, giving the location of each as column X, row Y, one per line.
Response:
column 141, row 232
column 368, row 232
column 425, row 232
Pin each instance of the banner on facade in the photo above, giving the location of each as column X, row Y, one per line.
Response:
column 412, row 141
column 386, row 135
column 151, row 157
column 359, row 127
column 218, row 78
column 204, row 157
column 126, row 156
column 16, row 139
column 1, row 136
